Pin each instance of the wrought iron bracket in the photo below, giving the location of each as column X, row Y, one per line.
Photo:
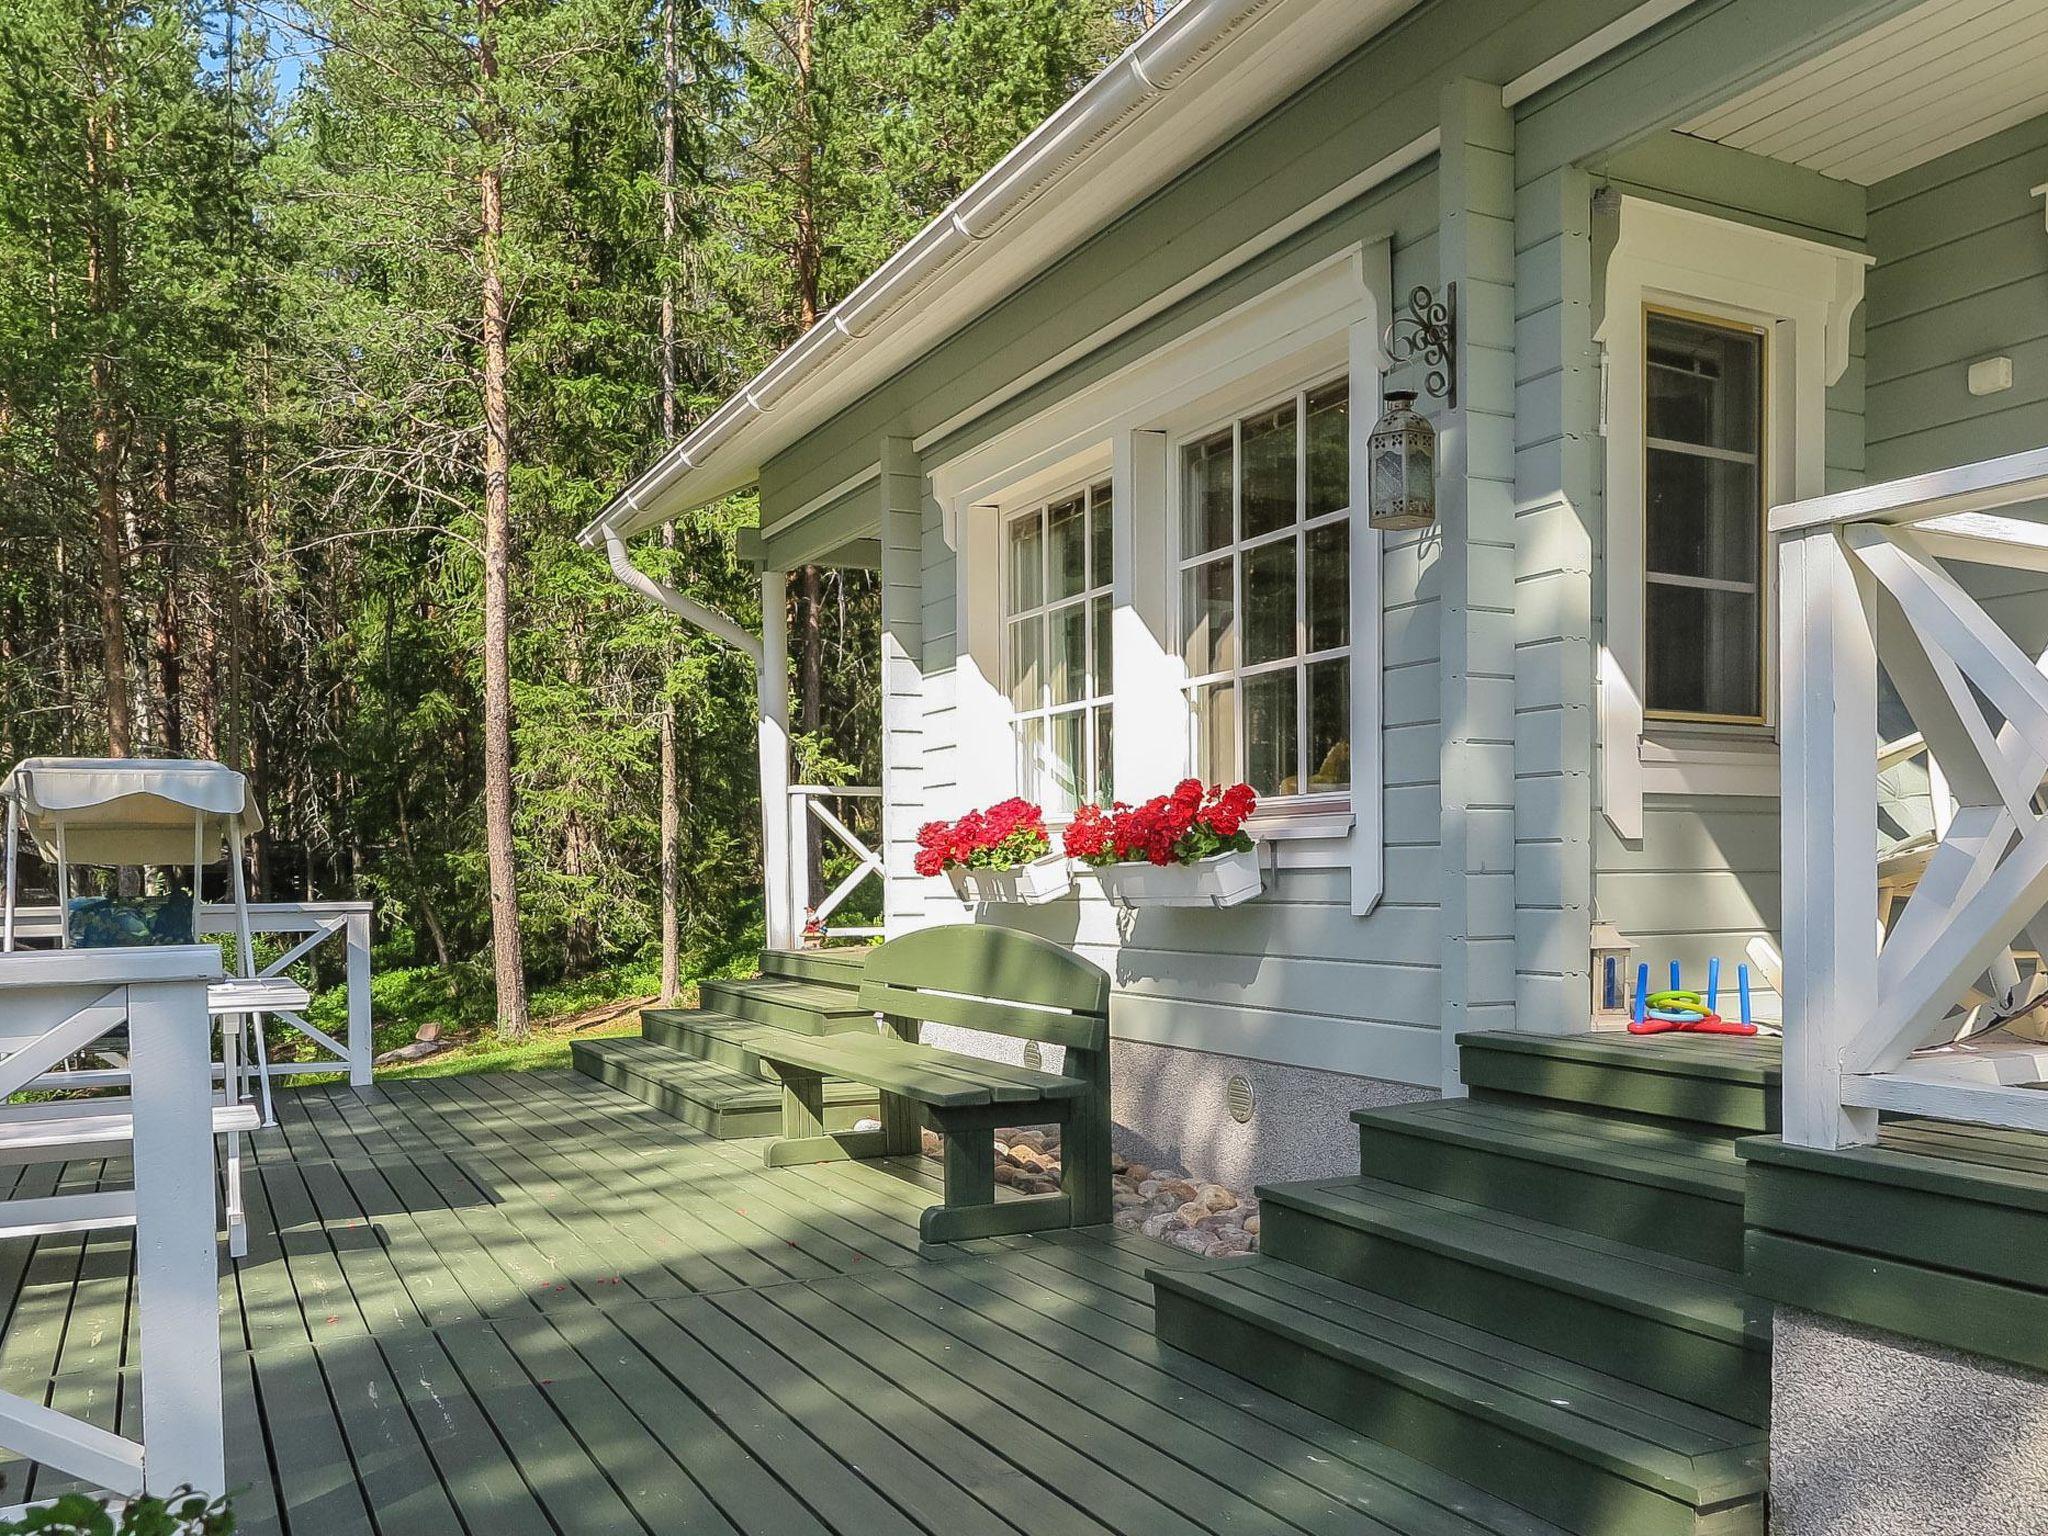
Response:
column 1428, row 334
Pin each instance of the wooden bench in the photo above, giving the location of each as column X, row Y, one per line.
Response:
column 980, row 978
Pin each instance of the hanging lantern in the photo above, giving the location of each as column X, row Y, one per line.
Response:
column 1402, row 453
column 1611, row 951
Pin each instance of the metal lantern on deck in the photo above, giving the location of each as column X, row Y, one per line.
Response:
column 1611, row 951
column 1402, row 454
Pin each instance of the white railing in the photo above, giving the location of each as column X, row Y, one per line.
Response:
column 1886, row 998
column 52, row 1004
column 313, row 923
column 812, row 802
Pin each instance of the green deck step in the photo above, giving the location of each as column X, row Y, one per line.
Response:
column 1643, row 1316
column 806, row 1007
column 1727, row 1083
column 720, row 1038
column 1597, row 1455
column 1663, row 1186
column 711, row 1097
column 833, row 967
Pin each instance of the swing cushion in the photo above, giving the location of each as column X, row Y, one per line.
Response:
column 115, row 922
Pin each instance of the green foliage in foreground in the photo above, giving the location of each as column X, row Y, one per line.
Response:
column 77, row 1514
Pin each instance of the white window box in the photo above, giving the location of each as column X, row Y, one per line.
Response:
column 1224, row 880
column 1029, row 885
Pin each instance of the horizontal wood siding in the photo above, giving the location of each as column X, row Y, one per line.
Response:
column 1962, row 274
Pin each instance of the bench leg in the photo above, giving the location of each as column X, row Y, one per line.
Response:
column 1085, row 1175
column 804, row 1137
column 970, row 1209
column 902, row 1126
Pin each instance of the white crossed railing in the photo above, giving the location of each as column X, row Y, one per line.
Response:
column 812, row 802
column 52, row 1004
column 1886, row 998
column 314, row 923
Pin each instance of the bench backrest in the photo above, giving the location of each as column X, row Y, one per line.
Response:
column 993, row 979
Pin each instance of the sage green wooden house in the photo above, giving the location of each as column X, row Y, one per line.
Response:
column 1749, row 373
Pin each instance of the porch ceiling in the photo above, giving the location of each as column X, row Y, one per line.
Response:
column 1936, row 77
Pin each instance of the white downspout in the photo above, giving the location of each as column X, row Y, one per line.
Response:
column 706, row 618
column 770, row 658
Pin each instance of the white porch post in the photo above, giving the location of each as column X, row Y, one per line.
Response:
column 1828, row 689
column 783, row 921
column 176, row 1274
column 903, row 802
column 361, row 1038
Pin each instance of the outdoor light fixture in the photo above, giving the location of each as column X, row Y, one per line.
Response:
column 1402, row 448
column 1402, row 452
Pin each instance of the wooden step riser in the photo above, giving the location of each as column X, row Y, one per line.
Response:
column 1542, row 1478
column 724, row 1122
column 1738, row 1109
column 1718, row 1374
column 760, row 1008
column 703, row 1045
column 811, row 965
column 1677, row 1221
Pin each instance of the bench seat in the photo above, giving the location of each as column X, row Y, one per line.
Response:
column 933, row 1077
column 987, row 979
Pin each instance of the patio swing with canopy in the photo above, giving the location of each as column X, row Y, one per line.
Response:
column 153, row 813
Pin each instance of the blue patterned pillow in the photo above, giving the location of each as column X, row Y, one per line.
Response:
column 114, row 922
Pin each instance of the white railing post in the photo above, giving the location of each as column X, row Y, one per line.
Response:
column 176, row 1279
column 361, row 1041
column 799, row 807
column 1828, row 675
column 773, row 697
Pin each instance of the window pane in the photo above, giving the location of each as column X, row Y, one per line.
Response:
column 1329, row 587
column 1272, row 734
column 1329, row 726
column 1066, row 533
column 1703, row 516
column 1205, row 495
column 1704, row 383
column 1105, row 669
column 1026, row 642
column 1269, row 621
column 1215, row 712
column 1702, row 651
column 1102, row 537
column 1209, row 637
column 1269, row 471
column 1066, row 756
column 1027, row 588
column 1066, row 636
column 1031, row 757
column 1329, row 450
column 1105, row 756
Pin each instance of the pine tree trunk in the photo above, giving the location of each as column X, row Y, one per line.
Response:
column 108, row 421
column 508, row 959
column 170, row 659
column 671, row 795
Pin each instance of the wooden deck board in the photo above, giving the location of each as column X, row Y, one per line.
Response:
column 531, row 1306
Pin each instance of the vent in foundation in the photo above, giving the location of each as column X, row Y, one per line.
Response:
column 1237, row 1093
column 1034, row 1058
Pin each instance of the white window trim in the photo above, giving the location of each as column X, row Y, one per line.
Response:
column 1095, row 696
column 1803, row 294
column 1305, row 805
column 1311, row 328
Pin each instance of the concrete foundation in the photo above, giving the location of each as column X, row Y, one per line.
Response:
column 1173, row 1109
column 1873, row 1434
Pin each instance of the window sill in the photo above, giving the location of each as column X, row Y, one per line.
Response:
column 1677, row 763
column 1279, row 826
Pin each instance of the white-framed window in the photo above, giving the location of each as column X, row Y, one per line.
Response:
column 1262, row 592
column 1705, row 438
column 1746, row 328
column 1058, row 578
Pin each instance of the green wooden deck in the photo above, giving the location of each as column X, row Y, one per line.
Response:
column 530, row 1304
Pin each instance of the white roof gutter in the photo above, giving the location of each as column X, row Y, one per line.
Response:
column 1150, row 67
column 708, row 619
